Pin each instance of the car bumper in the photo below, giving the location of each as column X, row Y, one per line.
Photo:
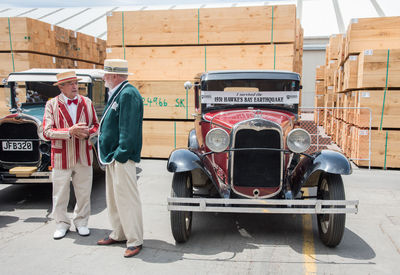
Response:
column 263, row 206
column 36, row 177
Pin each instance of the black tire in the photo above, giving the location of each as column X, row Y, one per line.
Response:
column 331, row 226
column 181, row 221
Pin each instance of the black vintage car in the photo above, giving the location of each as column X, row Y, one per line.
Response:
column 247, row 154
column 24, row 152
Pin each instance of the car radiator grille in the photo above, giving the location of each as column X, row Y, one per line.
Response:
column 19, row 132
column 257, row 168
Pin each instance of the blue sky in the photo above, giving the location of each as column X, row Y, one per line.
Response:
column 108, row 3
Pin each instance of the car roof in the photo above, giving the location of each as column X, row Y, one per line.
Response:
column 250, row 74
column 49, row 75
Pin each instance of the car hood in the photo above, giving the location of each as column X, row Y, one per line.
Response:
column 228, row 118
column 36, row 111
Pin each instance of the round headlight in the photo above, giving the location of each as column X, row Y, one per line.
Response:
column 217, row 140
column 298, row 140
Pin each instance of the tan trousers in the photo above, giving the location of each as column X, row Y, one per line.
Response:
column 123, row 203
column 82, row 182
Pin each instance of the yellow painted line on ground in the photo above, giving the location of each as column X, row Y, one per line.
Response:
column 310, row 266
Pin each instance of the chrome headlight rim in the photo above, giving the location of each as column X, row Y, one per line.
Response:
column 297, row 149
column 217, row 148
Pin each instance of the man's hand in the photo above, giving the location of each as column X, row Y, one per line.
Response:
column 79, row 130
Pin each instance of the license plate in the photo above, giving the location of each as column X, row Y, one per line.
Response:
column 17, row 146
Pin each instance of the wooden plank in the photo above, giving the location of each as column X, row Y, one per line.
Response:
column 236, row 25
column 160, row 138
column 374, row 66
column 183, row 63
column 373, row 99
column 372, row 33
column 166, row 99
column 384, row 145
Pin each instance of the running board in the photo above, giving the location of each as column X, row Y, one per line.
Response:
column 263, row 206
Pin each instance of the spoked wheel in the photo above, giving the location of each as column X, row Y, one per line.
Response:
column 181, row 221
column 331, row 226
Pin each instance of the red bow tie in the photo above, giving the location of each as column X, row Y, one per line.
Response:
column 75, row 101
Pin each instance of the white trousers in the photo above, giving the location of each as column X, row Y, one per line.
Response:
column 123, row 203
column 82, row 181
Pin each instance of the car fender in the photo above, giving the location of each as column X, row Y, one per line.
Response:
column 183, row 160
column 308, row 171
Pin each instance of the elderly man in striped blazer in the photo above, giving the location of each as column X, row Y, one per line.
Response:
column 69, row 121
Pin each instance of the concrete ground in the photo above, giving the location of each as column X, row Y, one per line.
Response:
column 220, row 243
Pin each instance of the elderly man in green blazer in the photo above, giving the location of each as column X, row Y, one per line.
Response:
column 119, row 147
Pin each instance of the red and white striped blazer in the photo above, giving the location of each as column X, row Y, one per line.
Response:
column 66, row 150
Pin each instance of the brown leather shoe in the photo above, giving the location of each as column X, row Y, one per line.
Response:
column 107, row 241
column 132, row 251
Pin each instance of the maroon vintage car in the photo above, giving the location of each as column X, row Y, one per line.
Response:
column 246, row 154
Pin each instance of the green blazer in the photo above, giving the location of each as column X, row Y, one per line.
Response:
column 120, row 134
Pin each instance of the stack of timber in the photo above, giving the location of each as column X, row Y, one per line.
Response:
column 166, row 48
column 363, row 73
column 28, row 43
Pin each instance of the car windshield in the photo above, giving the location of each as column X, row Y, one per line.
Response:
column 38, row 93
column 269, row 93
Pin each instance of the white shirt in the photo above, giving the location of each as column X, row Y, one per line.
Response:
column 112, row 91
column 72, row 108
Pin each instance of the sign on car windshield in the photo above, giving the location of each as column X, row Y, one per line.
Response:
column 260, row 97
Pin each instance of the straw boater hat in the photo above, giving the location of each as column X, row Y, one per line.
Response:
column 116, row 66
column 65, row 77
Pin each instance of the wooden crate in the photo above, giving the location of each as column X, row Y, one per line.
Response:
column 161, row 137
column 166, row 99
column 373, row 99
column 334, row 46
column 21, row 34
column 329, row 72
column 385, row 145
column 372, row 33
column 236, row 25
column 350, row 73
column 320, row 72
column 183, row 63
column 319, row 113
column 319, row 87
column 379, row 68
